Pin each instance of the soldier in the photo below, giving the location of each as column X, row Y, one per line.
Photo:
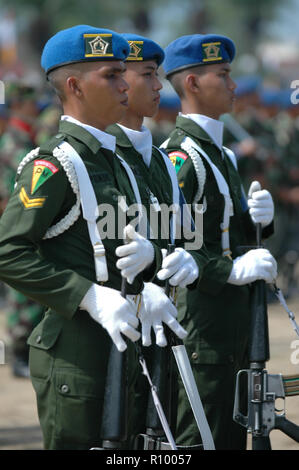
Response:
column 54, row 247
column 154, row 172
column 18, row 139
column 216, row 314
column 19, row 135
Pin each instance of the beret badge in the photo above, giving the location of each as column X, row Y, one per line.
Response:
column 135, row 50
column 98, row 45
column 211, row 51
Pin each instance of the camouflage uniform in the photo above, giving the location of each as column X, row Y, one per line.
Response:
column 22, row 314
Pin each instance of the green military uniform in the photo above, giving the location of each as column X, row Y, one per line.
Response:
column 154, row 184
column 69, row 350
column 216, row 314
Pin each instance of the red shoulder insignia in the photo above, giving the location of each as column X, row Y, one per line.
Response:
column 177, row 158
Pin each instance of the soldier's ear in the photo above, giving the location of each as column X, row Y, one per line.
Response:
column 191, row 82
column 73, row 85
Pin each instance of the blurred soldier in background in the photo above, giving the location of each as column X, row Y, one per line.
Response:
column 19, row 136
column 264, row 133
column 16, row 141
column 283, row 177
column 247, row 132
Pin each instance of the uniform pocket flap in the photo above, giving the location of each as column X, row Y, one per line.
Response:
column 72, row 384
column 208, row 356
column 47, row 331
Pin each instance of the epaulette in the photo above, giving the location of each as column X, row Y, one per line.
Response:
column 66, row 222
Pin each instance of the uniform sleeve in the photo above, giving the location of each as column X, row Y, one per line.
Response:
column 37, row 201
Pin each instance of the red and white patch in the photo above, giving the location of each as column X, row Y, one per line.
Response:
column 47, row 164
column 178, row 154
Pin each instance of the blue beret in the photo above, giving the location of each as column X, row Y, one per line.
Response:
column 247, row 84
column 285, row 98
column 169, row 101
column 270, row 97
column 197, row 49
column 143, row 49
column 83, row 43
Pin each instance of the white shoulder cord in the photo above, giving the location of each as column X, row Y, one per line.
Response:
column 224, row 190
column 67, row 221
column 198, row 166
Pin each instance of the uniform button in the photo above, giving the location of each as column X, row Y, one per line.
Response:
column 64, row 388
column 38, row 339
column 194, row 355
column 231, row 358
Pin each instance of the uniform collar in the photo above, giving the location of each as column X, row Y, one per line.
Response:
column 212, row 127
column 89, row 135
column 121, row 138
column 141, row 140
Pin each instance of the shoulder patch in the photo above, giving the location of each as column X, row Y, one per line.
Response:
column 42, row 171
column 177, row 158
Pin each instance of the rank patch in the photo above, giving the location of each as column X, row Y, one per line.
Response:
column 177, row 158
column 30, row 203
column 42, row 171
column 98, row 45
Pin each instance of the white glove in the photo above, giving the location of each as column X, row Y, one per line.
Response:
column 260, row 203
column 179, row 267
column 135, row 256
column 254, row 265
column 156, row 308
column 107, row 307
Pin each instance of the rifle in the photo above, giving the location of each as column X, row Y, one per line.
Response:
column 263, row 388
column 166, row 382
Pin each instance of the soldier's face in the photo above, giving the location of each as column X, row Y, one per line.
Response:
column 216, row 90
column 104, row 93
column 145, row 86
